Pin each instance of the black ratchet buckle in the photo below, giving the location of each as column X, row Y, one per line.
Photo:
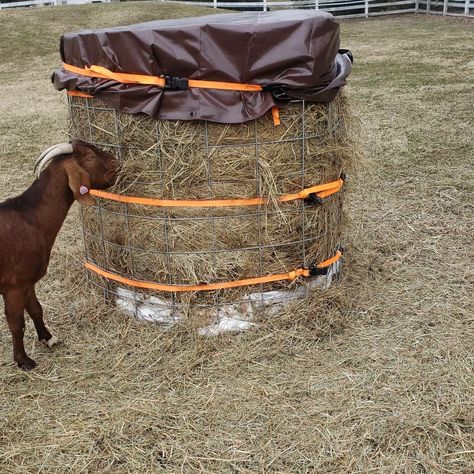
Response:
column 313, row 199
column 176, row 83
column 278, row 91
column 317, row 271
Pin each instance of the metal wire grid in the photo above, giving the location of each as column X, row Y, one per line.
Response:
column 110, row 289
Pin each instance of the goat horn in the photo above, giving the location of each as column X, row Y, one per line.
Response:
column 49, row 154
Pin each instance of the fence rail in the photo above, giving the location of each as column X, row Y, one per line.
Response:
column 349, row 8
column 45, row 3
column 339, row 8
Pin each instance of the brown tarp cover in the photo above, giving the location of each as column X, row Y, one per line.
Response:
column 294, row 53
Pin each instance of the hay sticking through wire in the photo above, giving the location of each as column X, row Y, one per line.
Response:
column 204, row 160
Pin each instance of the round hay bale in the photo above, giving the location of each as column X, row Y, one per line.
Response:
column 205, row 160
column 196, row 120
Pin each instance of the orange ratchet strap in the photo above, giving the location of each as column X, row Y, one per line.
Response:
column 276, row 116
column 315, row 193
column 306, row 272
column 125, row 78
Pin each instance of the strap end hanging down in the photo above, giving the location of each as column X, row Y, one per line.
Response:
column 276, row 116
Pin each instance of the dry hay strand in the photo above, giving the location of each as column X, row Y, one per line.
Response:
column 205, row 160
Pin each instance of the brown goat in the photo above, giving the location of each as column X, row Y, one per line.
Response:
column 29, row 224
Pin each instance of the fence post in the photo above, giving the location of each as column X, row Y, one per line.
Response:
column 445, row 7
column 367, row 8
column 428, row 6
column 466, row 7
column 264, row 5
column 316, row 4
column 417, row 5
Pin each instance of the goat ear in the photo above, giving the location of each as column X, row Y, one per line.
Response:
column 80, row 183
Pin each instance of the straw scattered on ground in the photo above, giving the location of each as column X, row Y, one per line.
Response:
column 377, row 378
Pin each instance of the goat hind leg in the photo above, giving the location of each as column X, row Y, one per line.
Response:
column 15, row 301
column 34, row 309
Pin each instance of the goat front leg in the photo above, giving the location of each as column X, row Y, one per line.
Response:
column 15, row 300
column 34, row 309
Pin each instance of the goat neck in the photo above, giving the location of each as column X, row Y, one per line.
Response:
column 52, row 199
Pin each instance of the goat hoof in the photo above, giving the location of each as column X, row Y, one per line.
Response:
column 52, row 341
column 26, row 363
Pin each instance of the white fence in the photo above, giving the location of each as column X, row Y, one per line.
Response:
column 44, row 3
column 350, row 8
column 339, row 8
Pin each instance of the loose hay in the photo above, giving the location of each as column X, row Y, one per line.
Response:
column 378, row 378
column 205, row 160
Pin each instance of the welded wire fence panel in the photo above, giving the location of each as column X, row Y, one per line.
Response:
column 205, row 160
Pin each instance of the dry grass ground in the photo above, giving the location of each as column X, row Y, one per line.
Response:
column 378, row 379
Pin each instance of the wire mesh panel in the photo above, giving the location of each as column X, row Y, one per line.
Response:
column 196, row 160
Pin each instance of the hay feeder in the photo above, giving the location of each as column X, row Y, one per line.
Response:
column 229, row 201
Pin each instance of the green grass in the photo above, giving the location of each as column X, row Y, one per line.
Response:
column 380, row 379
